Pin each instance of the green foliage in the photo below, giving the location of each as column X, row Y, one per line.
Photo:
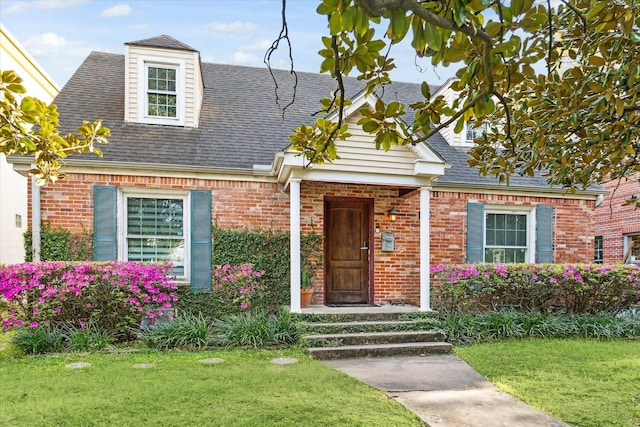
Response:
column 185, row 331
column 258, row 329
column 468, row 328
column 266, row 250
column 570, row 288
column 29, row 127
column 60, row 244
column 577, row 121
column 40, row 340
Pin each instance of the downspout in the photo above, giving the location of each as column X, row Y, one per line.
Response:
column 35, row 220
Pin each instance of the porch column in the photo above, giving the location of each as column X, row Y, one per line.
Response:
column 425, row 253
column 294, row 221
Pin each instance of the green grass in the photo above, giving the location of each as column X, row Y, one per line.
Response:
column 586, row 383
column 245, row 390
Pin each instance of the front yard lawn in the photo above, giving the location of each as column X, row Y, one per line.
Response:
column 586, row 383
column 244, row 390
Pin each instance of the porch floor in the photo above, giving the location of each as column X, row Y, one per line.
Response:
column 386, row 308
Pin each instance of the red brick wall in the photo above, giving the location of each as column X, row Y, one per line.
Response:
column 613, row 220
column 69, row 204
column 573, row 225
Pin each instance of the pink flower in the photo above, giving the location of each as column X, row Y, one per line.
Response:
column 32, row 324
column 83, row 324
column 35, row 311
column 243, row 305
column 243, row 291
column 553, row 280
column 56, row 310
column 89, row 305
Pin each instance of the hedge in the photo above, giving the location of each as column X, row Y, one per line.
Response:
column 568, row 288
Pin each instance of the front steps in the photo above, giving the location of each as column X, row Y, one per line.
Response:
column 374, row 334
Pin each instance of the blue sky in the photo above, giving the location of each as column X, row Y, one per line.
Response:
column 59, row 34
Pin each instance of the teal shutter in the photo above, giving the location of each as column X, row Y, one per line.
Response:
column 104, row 223
column 200, row 240
column 475, row 232
column 544, row 234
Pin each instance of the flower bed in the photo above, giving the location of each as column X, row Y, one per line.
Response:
column 571, row 288
column 113, row 296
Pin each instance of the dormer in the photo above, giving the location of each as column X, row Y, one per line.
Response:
column 469, row 131
column 163, row 82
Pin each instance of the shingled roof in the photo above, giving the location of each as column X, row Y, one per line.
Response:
column 163, row 41
column 241, row 124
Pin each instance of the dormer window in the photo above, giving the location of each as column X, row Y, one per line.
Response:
column 161, row 96
column 475, row 131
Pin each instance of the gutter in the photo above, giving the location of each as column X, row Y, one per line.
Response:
column 443, row 186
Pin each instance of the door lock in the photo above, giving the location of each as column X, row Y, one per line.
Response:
column 365, row 246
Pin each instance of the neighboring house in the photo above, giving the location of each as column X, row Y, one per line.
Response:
column 617, row 226
column 194, row 142
column 13, row 186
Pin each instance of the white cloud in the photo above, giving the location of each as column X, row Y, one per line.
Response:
column 43, row 4
column 45, row 44
column 121, row 9
column 244, row 58
column 259, row 45
column 234, row 27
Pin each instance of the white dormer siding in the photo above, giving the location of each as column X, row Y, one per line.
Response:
column 454, row 139
column 185, row 86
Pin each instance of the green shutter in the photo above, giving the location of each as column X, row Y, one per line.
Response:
column 475, row 232
column 544, row 234
column 104, row 223
column 200, row 240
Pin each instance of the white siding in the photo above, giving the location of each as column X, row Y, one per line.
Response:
column 192, row 96
column 359, row 154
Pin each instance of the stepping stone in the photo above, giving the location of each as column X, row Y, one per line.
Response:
column 284, row 361
column 78, row 365
column 211, row 360
column 143, row 365
column 3, row 346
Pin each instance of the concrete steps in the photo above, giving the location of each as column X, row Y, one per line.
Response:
column 370, row 335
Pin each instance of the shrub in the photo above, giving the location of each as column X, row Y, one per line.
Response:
column 235, row 289
column 186, row 330
column 40, row 340
column 258, row 329
column 112, row 296
column 265, row 250
column 568, row 288
column 468, row 328
column 60, row 245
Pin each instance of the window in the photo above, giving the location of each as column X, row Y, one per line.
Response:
column 155, row 231
column 597, row 250
column 145, row 225
column 161, row 91
column 509, row 233
column 474, row 132
column 505, row 238
column 18, row 220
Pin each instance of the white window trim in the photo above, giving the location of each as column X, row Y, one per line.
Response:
column 125, row 193
column 143, row 63
column 529, row 211
column 466, row 131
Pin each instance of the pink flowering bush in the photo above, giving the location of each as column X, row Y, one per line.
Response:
column 113, row 296
column 570, row 288
column 236, row 287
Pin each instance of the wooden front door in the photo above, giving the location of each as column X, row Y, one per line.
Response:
column 347, row 250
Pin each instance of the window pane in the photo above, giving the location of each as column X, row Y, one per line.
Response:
column 506, row 238
column 162, row 73
column 162, row 85
column 153, row 73
column 157, row 250
column 154, row 217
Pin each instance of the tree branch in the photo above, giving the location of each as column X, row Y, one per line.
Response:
column 284, row 35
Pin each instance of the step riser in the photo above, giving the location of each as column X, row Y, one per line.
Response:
column 346, row 353
column 348, row 317
column 351, row 328
column 360, row 339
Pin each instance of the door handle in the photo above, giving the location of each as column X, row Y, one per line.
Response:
column 365, row 246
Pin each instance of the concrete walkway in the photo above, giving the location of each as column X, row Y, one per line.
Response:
column 444, row 391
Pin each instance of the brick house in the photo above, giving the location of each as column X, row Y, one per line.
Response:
column 617, row 226
column 194, row 142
